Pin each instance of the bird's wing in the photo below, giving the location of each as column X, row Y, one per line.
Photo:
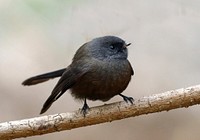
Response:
column 67, row 80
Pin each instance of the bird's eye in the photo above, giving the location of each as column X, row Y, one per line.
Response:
column 112, row 47
column 116, row 46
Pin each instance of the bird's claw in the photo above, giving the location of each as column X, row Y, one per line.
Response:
column 127, row 99
column 85, row 109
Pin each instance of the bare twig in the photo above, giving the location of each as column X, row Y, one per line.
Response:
column 106, row 113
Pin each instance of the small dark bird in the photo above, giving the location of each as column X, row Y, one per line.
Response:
column 99, row 71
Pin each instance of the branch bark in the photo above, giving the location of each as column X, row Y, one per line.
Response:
column 169, row 100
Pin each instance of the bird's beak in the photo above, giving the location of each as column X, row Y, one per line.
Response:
column 126, row 45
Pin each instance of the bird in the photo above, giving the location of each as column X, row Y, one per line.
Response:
column 99, row 70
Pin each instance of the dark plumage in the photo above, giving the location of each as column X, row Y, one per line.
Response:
column 99, row 71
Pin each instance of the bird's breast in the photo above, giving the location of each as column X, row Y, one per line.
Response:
column 103, row 81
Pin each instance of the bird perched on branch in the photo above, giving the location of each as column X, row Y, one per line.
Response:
column 99, row 71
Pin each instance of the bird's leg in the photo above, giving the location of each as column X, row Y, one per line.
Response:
column 85, row 108
column 127, row 99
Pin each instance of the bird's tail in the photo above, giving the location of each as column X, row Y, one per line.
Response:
column 43, row 77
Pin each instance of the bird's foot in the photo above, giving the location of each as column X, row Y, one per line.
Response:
column 127, row 99
column 85, row 108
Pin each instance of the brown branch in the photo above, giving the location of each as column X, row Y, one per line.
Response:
column 101, row 114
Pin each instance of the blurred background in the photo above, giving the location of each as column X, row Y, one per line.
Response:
column 41, row 36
